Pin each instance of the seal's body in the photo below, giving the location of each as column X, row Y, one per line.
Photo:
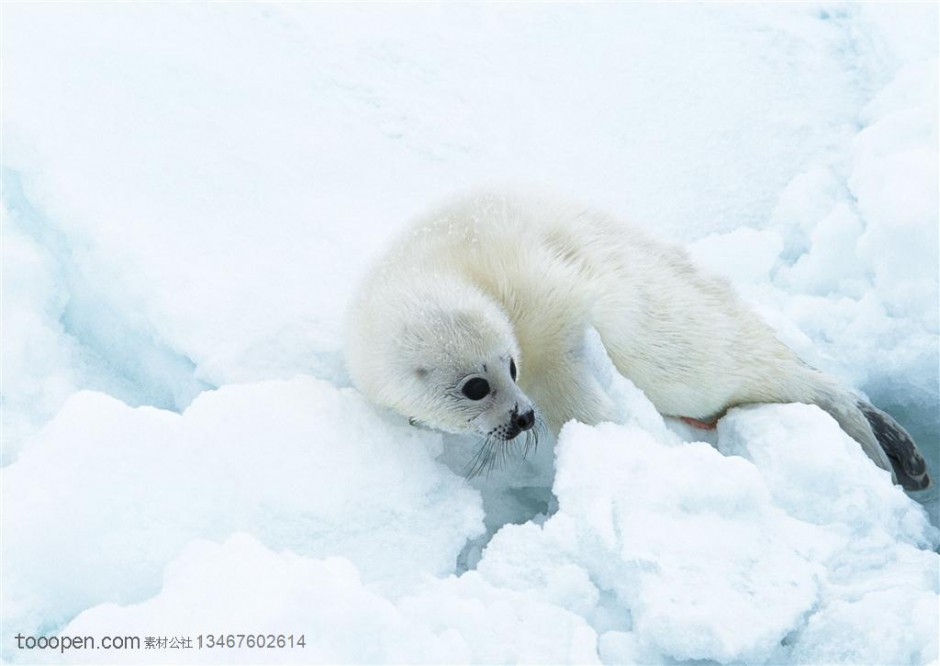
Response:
column 496, row 284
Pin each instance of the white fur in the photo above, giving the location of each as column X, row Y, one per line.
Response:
column 495, row 276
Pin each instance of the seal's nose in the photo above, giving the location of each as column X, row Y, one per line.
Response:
column 524, row 421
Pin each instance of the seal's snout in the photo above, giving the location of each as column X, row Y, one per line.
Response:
column 518, row 423
column 523, row 421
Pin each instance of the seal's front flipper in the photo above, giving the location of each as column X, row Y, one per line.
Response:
column 909, row 466
column 701, row 425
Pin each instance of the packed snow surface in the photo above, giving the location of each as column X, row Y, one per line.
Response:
column 190, row 192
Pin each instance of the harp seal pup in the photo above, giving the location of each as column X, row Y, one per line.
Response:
column 474, row 322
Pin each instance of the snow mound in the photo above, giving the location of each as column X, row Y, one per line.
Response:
column 685, row 554
column 118, row 493
column 775, row 549
column 341, row 619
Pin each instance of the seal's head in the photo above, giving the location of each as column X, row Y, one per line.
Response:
column 447, row 359
column 461, row 367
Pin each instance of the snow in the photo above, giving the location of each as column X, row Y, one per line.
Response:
column 189, row 195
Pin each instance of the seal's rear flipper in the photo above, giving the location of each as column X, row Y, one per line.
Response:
column 909, row 466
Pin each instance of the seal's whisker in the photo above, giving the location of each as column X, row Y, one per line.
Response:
column 504, row 453
column 478, row 462
column 532, row 437
column 496, row 453
column 490, row 456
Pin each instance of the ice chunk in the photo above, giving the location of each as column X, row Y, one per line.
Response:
column 118, row 492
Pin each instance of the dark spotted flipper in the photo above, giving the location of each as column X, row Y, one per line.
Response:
column 909, row 466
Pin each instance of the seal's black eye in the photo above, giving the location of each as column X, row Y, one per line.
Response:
column 512, row 369
column 476, row 388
